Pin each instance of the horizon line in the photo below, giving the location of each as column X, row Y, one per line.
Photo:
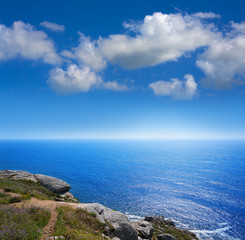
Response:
column 123, row 138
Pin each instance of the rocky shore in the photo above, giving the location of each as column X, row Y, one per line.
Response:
column 118, row 226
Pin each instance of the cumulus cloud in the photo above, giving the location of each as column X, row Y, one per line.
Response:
column 72, row 80
column 159, row 38
column 176, row 88
column 79, row 79
column 53, row 26
column 224, row 61
column 87, row 54
column 23, row 40
column 204, row 15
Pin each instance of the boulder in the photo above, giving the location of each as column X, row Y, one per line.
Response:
column 69, row 197
column 53, row 184
column 165, row 236
column 154, row 219
column 17, row 175
column 144, row 228
column 169, row 222
column 120, row 223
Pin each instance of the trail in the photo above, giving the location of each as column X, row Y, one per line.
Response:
column 50, row 205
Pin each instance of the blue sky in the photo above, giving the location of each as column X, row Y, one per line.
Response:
column 131, row 69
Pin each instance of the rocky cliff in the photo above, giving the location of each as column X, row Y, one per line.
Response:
column 116, row 224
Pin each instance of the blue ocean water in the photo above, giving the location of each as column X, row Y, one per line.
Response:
column 199, row 184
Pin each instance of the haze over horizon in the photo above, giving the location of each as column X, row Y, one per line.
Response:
column 129, row 70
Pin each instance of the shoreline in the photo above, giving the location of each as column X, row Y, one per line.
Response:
column 125, row 228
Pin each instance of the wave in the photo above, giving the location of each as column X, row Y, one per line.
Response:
column 219, row 233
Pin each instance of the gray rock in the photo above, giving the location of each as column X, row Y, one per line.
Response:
column 115, row 238
column 17, row 175
column 106, row 237
column 165, row 237
column 69, row 196
column 122, row 227
column 53, row 184
column 144, row 228
column 154, row 219
column 169, row 222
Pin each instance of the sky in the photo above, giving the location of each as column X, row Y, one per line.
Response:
column 122, row 69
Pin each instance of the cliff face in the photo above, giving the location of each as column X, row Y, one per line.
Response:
column 114, row 225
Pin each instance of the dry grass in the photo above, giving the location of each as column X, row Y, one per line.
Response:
column 22, row 223
column 76, row 224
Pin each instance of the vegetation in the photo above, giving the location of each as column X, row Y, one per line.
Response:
column 76, row 224
column 7, row 198
column 160, row 228
column 22, row 223
column 26, row 188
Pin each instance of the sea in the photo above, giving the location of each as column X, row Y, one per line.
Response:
column 200, row 184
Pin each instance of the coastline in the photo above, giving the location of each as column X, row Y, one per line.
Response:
column 151, row 227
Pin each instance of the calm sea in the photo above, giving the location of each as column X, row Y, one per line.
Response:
column 199, row 184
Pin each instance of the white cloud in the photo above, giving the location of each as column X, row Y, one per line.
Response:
column 23, row 40
column 53, row 26
column 160, row 38
column 238, row 28
column 224, row 61
column 73, row 80
column 115, row 86
column 79, row 79
column 176, row 88
column 204, row 15
column 88, row 54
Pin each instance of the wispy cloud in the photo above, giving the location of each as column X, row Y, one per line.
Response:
column 115, row 86
column 53, row 26
column 204, row 15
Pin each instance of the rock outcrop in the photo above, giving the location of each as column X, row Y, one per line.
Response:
column 165, row 237
column 53, row 184
column 144, row 229
column 122, row 227
column 118, row 226
column 17, row 175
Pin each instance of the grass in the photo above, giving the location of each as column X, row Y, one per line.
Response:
column 7, row 198
column 161, row 228
column 27, row 188
column 76, row 224
column 22, row 223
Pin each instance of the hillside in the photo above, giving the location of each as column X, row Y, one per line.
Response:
column 41, row 207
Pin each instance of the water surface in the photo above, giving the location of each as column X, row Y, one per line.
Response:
column 199, row 184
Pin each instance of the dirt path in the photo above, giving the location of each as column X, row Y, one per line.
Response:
column 50, row 205
column 10, row 193
column 47, row 204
